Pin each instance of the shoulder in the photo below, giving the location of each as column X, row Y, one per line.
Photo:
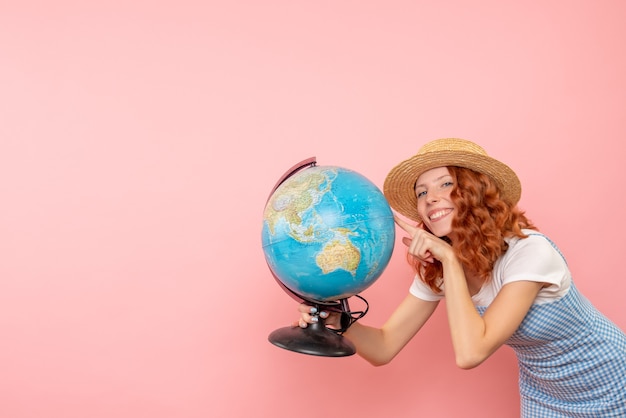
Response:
column 420, row 290
column 537, row 259
column 535, row 246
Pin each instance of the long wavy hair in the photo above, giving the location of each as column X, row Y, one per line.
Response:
column 481, row 223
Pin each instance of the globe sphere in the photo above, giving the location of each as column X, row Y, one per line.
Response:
column 328, row 233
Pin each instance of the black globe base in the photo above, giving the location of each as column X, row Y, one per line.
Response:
column 315, row 340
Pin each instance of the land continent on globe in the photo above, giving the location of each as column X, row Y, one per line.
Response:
column 328, row 233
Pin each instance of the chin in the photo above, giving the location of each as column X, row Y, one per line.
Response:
column 439, row 230
column 441, row 233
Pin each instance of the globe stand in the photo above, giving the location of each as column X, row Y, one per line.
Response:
column 316, row 340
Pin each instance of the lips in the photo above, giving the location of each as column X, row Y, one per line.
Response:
column 435, row 215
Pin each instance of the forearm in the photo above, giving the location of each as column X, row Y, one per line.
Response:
column 371, row 344
column 380, row 346
column 467, row 327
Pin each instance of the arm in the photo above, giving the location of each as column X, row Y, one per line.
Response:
column 380, row 345
column 475, row 338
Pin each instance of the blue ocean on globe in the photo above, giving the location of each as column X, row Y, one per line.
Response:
column 328, row 233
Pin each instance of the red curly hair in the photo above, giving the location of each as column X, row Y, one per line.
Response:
column 481, row 223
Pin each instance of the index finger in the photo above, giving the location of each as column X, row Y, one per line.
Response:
column 405, row 225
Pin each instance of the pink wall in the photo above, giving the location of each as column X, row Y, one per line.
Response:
column 139, row 141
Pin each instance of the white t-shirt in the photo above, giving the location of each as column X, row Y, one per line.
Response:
column 534, row 259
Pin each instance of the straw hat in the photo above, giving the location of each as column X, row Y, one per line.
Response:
column 399, row 187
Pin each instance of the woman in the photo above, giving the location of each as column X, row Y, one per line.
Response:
column 503, row 281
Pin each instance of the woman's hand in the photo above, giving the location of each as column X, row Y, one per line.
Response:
column 425, row 246
column 309, row 315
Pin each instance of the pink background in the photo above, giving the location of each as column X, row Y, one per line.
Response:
column 139, row 141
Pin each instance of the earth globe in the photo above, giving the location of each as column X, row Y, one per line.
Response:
column 328, row 233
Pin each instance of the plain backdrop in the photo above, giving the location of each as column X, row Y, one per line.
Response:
column 138, row 144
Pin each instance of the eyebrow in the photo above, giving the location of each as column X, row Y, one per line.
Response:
column 434, row 181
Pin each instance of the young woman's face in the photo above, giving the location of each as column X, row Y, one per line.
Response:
column 434, row 205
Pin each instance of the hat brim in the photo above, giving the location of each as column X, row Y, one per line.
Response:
column 399, row 185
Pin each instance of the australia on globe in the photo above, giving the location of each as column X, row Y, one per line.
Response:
column 328, row 233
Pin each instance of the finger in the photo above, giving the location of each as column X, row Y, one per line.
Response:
column 410, row 228
column 417, row 249
column 421, row 249
column 306, row 308
column 404, row 225
column 310, row 314
column 300, row 322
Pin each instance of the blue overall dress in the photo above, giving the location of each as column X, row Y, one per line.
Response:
column 572, row 360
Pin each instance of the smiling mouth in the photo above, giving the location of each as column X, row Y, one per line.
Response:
column 439, row 214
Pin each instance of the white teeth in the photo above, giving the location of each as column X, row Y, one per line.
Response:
column 437, row 215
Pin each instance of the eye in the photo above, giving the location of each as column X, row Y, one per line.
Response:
column 420, row 194
column 447, row 184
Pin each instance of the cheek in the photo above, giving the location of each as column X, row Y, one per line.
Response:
column 421, row 208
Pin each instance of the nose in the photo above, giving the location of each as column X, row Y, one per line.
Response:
column 432, row 197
